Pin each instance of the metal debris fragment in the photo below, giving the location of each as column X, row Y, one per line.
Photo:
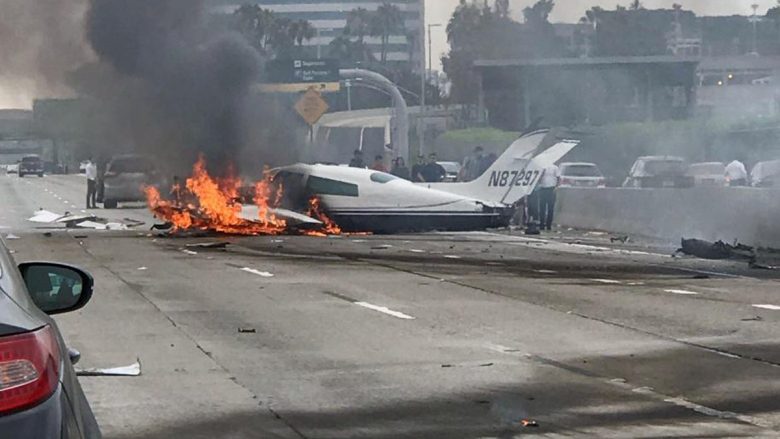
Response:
column 132, row 370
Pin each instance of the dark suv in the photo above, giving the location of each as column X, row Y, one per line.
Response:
column 40, row 396
column 32, row 164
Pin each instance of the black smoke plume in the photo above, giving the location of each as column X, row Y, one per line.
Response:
column 169, row 81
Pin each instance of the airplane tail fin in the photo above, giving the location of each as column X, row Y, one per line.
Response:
column 514, row 174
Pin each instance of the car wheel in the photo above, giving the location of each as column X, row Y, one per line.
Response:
column 21, row 175
column 40, row 175
column 109, row 204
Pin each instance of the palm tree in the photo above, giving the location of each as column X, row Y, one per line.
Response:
column 256, row 24
column 302, row 30
column 358, row 24
column 387, row 20
column 636, row 5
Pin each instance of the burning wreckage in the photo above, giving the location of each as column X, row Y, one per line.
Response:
column 326, row 200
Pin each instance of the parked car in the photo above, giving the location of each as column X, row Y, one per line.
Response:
column 12, row 168
column 582, row 175
column 659, row 172
column 40, row 396
column 31, row 164
column 766, row 174
column 125, row 179
column 452, row 169
column 708, row 174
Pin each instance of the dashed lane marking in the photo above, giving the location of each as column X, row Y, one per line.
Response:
column 371, row 306
column 769, row 307
column 607, row 281
column 682, row 292
column 257, row 272
column 384, row 310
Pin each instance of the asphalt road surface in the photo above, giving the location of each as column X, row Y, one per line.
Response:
column 419, row 336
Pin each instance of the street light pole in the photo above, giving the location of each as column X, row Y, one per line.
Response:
column 755, row 21
column 421, row 125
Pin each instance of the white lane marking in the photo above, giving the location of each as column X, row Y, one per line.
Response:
column 416, row 250
column 683, row 292
column 546, row 271
column 607, row 281
column 384, row 310
column 650, row 392
column 358, row 241
column 452, row 257
column 83, row 211
column 769, row 307
column 257, row 272
column 189, row 252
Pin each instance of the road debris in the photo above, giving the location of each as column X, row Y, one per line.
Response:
column 189, row 252
column 716, row 250
column 11, row 237
column 529, row 423
column 72, row 221
column 220, row 244
column 247, row 331
column 621, row 239
column 132, row 370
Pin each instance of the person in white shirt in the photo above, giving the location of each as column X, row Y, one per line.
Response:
column 91, row 171
column 736, row 174
column 551, row 177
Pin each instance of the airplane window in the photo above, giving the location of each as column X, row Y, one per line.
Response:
column 326, row 186
column 381, row 177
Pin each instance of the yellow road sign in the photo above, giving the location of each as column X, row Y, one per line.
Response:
column 311, row 106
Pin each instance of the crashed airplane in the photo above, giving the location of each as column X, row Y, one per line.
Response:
column 364, row 200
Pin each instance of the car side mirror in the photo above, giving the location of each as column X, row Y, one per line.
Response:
column 57, row 288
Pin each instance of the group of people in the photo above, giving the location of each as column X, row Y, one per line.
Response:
column 476, row 164
column 428, row 171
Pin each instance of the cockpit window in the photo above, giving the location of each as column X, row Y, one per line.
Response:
column 326, row 186
column 381, row 177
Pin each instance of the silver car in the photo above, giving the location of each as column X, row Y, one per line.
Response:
column 125, row 179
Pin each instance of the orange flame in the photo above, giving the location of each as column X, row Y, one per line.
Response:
column 316, row 211
column 217, row 205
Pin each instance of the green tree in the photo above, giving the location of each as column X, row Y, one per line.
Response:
column 386, row 21
column 635, row 5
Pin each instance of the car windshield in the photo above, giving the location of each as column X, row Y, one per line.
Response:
column 450, row 167
column 131, row 165
column 665, row 167
column 31, row 159
column 581, row 171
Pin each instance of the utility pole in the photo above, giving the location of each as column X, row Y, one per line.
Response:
column 421, row 125
column 430, row 46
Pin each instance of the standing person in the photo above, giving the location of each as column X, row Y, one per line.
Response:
column 91, row 172
column 379, row 164
column 472, row 165
column 400, row 170
column 551, row 177
column 433, row 172
column 357, row 160
column 736, row 174
column 417, row 169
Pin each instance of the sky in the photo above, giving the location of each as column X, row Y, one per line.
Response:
column 440, row 11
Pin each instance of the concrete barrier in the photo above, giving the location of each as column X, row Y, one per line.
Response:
column 749, row 215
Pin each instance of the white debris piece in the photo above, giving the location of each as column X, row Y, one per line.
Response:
column 44, row 217
column 132, row 370
column 11, row 236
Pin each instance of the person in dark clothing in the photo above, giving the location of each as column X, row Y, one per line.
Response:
column 379, row 164
column 417, row 169
column 400, row 170
column 433, row 172
column 357, row 160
